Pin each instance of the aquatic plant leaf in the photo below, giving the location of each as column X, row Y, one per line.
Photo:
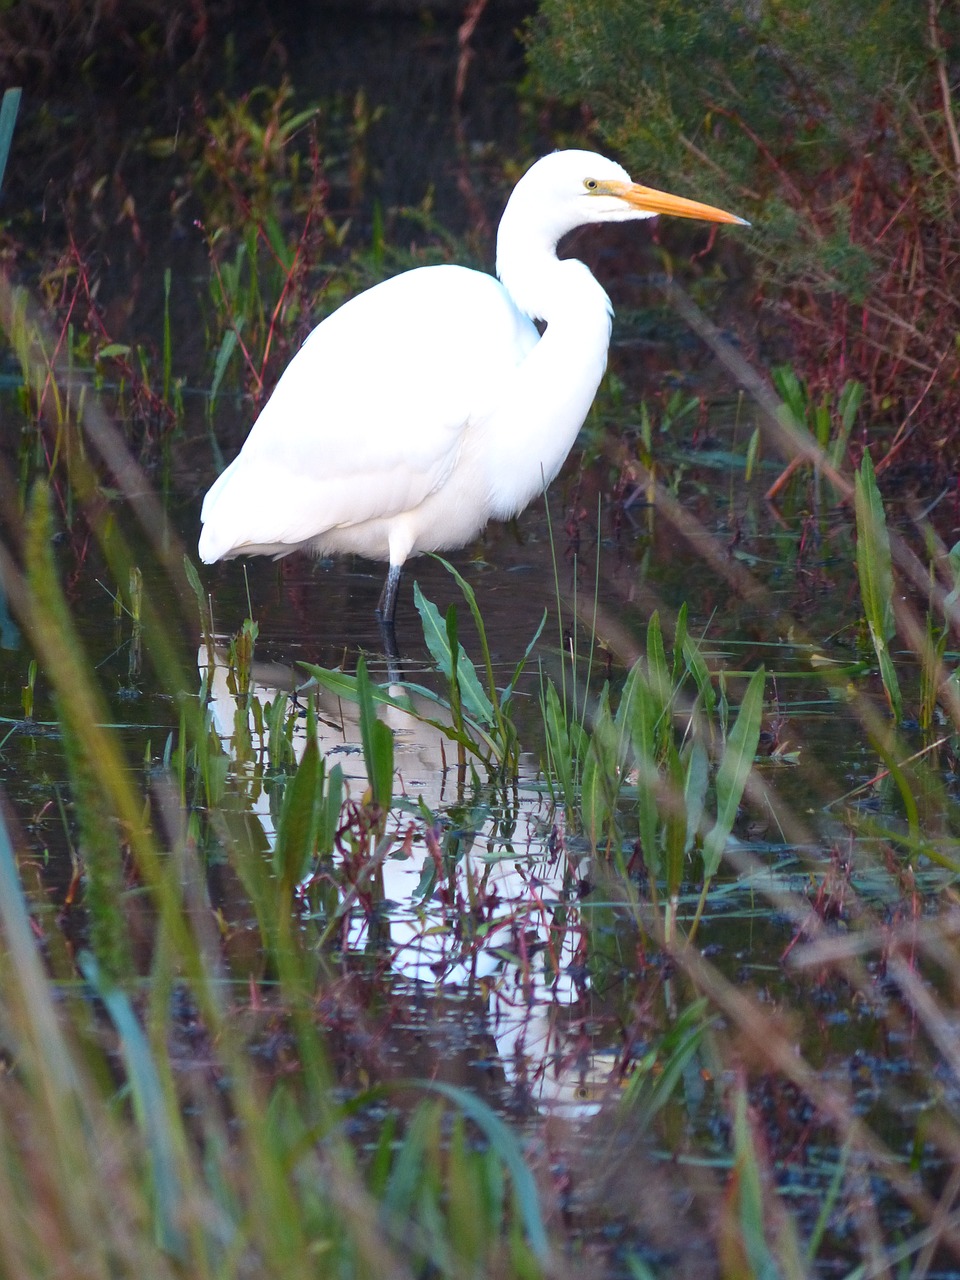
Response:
column 679, row 639
column 600, row 785
column 563, row 758
column 330, row 811
column 753, row 453
column 701, row 676
column 345, row 686
column 695, row 785
column 875, row 571
column 657, row 674
column 377, row 742
column 228, row 346
column 793, row 393
column 735, row 765
column 299, row 819
column 743, row 1245
column 505, row 732
column 638, row 715
column 848, row 405
column 675, row 825
column 518, row 670
column 648, row 1091
column 437, row 638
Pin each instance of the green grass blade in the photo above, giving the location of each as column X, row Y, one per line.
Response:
column 155, row 1119
column 509, row 1151
column 518, row 670
column 26, row 974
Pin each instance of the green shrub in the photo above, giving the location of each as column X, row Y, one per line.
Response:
column 831, row 127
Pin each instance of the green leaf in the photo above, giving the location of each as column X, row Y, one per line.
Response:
column 507, row 693
column 435, row 634
column 562, row 764
column 343, row 685
column 675, row 827
column 657, row 674
column 299, row 819
column 471, row 599
column 735, row 765
column 648, row 1092
column 753, row 452
column 330, row 812
column 875, row 571
column 151, row 1109
column 679, row 640
column 695, row 788
column 377, row 742
column 601, row 776
column 228, row 346
column 701, row 676
column 639, row 714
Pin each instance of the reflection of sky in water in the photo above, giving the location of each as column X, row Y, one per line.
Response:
column 529, row 965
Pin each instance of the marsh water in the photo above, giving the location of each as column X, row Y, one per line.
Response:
column 543, row 1019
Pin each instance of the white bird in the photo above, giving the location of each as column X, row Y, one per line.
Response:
column 431, row 403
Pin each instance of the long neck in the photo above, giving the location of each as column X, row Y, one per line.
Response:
column 554, row 387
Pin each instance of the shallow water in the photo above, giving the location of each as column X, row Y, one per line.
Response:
column 548, row 1005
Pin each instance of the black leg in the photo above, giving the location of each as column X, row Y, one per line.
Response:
column 387, row 608
column 386, row 614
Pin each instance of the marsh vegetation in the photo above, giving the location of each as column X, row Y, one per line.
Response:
column 620, row 932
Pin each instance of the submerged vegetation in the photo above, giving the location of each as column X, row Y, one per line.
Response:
column 626, row 946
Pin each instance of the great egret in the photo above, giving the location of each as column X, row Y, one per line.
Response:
column 431, row 403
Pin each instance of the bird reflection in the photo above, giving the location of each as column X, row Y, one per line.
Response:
column 456, row 856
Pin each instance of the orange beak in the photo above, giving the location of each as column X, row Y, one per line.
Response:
column 650, row 200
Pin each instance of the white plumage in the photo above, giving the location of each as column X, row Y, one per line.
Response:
column 430, row 403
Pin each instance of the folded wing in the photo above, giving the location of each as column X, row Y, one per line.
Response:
column 369, row 417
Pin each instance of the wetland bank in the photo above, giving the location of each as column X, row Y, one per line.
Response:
column 620, row 937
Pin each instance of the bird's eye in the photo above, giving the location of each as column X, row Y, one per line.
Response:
column 591, row 184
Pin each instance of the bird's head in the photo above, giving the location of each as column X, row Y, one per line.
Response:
column 570, row 189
